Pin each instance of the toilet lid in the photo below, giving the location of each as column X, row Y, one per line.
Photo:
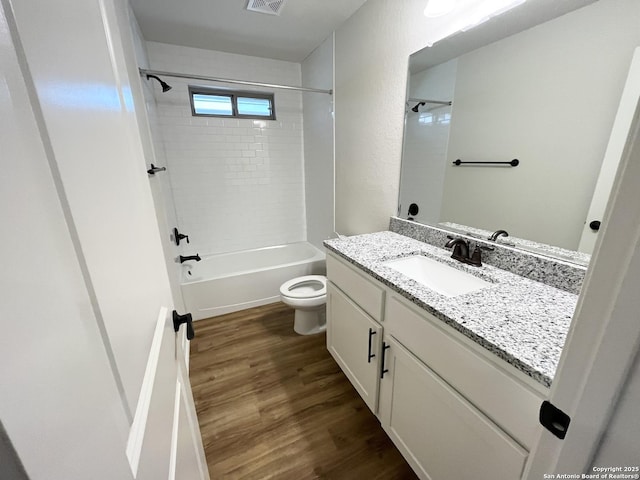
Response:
column 309, row 286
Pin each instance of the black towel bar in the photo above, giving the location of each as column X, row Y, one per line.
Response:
column 514, row 163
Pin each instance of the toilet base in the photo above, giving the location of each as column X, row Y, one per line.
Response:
column 310, row 322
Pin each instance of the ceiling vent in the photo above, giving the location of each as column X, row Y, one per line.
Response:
column 270, row 7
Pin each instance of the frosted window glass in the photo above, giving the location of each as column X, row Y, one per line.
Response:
column 232, row 103
column 212, row 104
column 259, row 107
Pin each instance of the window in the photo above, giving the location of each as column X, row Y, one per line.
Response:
column 229, row 103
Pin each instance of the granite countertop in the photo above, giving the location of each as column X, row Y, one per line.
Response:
column 521, row 321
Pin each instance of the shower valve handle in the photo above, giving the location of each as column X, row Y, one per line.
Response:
column 180, row 319
column 177, row 236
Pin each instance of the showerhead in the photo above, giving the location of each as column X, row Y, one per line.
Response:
column 165, row 86
column 420, row 104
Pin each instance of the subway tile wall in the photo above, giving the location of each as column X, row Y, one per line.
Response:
column 237, row 183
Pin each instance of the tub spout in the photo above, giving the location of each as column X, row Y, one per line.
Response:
column 195, row 257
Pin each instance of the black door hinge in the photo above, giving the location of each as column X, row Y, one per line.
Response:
column 554, row 419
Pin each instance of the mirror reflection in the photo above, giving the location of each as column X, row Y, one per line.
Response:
column 547, row 96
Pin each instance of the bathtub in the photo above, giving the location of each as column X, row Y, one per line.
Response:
column 229, row 282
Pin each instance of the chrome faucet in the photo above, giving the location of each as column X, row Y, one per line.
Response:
column 461, row 251
column 494, row 236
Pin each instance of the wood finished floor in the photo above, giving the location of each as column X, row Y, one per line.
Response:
column 274, row 404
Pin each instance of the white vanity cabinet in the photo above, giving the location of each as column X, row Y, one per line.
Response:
column 353, row 339
column 453, row 409
column 438, row 431
column 353, row 335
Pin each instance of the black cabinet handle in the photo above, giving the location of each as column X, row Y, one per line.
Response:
column 369, row 354
column 382, row 369
column 180, row 319
column 595, row 225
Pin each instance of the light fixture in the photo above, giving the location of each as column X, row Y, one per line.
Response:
column 438, row 8
column 462, row 15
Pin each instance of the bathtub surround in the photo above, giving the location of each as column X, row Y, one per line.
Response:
column 317, row 72
column 237, row 183
column 556, row 273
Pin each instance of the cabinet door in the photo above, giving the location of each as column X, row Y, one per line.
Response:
column 440, row 434
column 353, row 339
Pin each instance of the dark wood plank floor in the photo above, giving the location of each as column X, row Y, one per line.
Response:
column 274, row 404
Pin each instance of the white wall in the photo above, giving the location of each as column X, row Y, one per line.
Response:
column 372, row 53
column 425, row 142
column 237, row 183
column 547, row 96
column 317, row 72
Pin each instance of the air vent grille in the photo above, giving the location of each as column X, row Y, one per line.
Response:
column 270, row 7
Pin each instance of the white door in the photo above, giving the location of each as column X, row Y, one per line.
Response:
column 76, row 61
column 165, row 439
column 60, row 404
column 190, row 458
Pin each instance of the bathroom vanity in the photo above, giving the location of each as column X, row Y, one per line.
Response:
column 455, row 380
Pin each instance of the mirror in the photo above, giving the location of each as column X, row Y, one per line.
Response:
column 546, row 95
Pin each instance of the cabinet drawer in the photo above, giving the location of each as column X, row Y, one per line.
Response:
column 361, row 290
column 500, row 396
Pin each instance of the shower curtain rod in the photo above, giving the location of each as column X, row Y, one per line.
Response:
column 144, row 71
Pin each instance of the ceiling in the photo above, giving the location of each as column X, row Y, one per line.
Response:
column 226, row 25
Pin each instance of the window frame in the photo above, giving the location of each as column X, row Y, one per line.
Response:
column 233, row 95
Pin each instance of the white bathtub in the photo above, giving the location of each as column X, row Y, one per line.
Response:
column 228, row 282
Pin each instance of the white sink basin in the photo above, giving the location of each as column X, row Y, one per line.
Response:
column 437, row 276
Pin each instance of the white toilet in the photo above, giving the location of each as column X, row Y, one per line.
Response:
column 308, row 295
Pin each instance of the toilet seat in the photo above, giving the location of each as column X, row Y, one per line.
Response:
column 316, row 286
